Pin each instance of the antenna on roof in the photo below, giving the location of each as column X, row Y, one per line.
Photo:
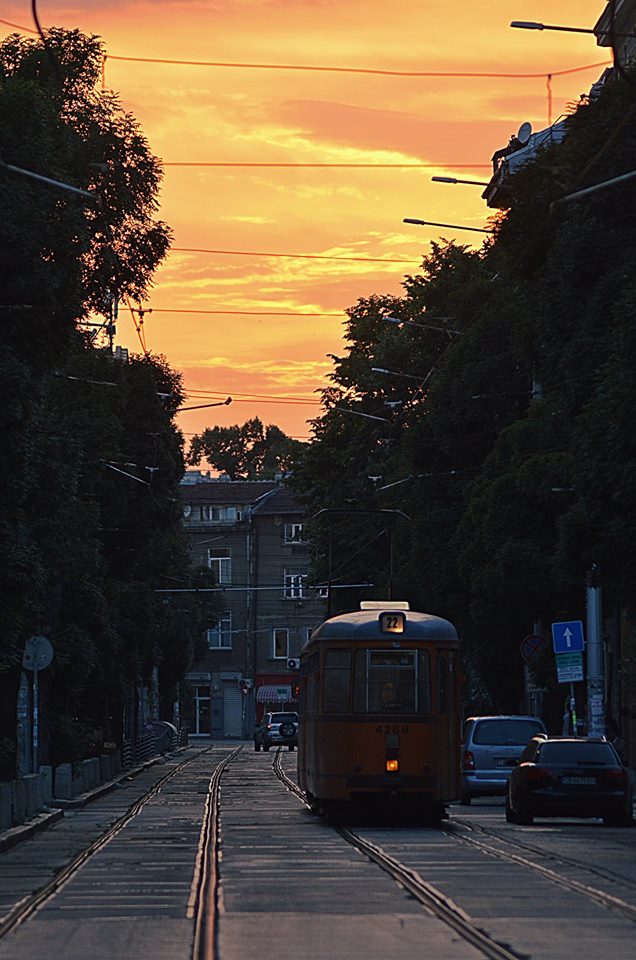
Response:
column 524, row 133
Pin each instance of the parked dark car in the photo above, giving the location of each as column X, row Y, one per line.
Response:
column 491, row 749
column 276, row 729
column 569, row 777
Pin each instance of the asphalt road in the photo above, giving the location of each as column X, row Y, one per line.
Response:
column 292, row 888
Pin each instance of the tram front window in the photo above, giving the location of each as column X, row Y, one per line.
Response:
column 385, row 682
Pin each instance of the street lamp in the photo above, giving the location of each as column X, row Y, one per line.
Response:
column 475, row 183
column 200, row 406
column 532, row 25
column 426, row 326
column 452, row 226
column 367, row 416
column 394, row 373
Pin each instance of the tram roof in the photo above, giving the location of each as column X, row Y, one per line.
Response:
column 363, row 625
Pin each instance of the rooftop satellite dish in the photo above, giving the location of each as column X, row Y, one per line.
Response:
column 525, row 132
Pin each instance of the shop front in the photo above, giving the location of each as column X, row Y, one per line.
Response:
column 274, row 693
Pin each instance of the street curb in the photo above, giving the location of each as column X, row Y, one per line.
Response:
column 76, row 803
column 24, row 831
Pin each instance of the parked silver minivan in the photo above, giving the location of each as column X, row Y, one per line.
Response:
column 492, row 747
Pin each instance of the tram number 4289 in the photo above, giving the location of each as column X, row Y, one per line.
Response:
column 392, row 728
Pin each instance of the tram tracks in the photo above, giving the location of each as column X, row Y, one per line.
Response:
column 30, row 904
column 602, row 897
column 433, row 899
column 203, row 903
column 446, row 909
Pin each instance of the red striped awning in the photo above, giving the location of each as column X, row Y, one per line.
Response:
column 274, row 693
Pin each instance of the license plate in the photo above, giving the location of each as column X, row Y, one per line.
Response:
column 579, row 781
column 504, row 762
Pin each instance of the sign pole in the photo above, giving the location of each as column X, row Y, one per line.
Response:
column 573, row 711
column 36, row 719
column 595, row 664
column 38, row 653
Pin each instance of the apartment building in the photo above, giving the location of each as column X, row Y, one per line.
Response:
column 250, row 534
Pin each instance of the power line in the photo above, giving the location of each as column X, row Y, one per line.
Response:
column 248, row 313
column 291, row 256
column 450, row 74
column 249, row 397
column 345, row 166
column 329, row 69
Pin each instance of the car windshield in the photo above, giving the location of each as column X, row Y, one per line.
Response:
column 577, row 752
column 500, row 731
column 283, row 717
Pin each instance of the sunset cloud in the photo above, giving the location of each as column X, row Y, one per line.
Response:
column 242, row 114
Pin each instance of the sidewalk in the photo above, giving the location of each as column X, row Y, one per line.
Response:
column 24, row 831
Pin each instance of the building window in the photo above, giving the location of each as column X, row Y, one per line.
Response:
column 295, row 585
column 187, row 510
column 322, row 593
column 294, row 533
column 220, row 562
column 220, row 635
column 280, row 643
column 308, row 633
column 220, row 514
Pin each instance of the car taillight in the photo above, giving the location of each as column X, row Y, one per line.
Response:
column 616, row 777
column 269, row 726
column 537, row 773
column 469, row 760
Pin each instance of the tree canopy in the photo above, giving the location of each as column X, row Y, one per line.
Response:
column 90, row 519
column 503, row 431
column 248, row 451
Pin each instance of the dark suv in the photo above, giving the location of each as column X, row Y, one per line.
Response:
column 276, row 729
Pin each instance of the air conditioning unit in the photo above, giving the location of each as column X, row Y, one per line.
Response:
column 293, row 663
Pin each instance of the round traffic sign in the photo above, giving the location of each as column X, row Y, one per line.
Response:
column 38, row 653
column 532, row 645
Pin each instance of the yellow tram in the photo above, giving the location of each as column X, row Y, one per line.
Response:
column 379, row 711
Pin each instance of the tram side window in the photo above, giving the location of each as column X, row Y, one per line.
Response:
column 385, row 682
column 337, row 675
column 442, row 684
column 312, row 683
column 452, row 680
column 424, row 682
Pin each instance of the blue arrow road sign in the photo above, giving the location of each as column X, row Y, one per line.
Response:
column 567, row 637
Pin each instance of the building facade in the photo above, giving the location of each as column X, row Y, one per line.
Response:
column 250, row 534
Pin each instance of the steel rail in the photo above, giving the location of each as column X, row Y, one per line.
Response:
column 441, row 906
column 604, row 874
column 607, row 900
column 30, row 904
column 203, row 902
column 429, row 896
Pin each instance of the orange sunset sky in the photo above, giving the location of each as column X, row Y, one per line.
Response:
column 267, row 323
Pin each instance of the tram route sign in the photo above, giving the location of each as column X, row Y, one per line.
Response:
column 567, row 637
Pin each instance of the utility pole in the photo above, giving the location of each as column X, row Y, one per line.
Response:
column 595, row 655
column 111, row 328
